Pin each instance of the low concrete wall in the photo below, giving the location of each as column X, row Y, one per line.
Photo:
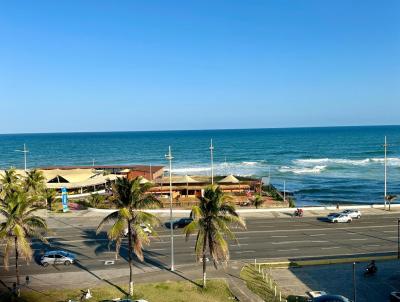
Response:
column 245, row 211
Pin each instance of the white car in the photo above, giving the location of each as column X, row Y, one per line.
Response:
column 339, row 217
column 352, row 213
column 144, row 227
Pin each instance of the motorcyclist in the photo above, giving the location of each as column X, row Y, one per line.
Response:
column 371, row 268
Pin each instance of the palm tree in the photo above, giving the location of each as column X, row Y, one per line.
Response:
column 390, row 198
column 19, row 226
column 257, row 201
column 9, row 181
column 131, row 198
column 212, row 219
column 34, row 181
column 96, row 199
column 49, row 195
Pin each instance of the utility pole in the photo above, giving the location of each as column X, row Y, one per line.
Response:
column 385, row 163
column 354, row 283
column 169, row 158
column 93, row 162
column 212, row 162
column 25, row 151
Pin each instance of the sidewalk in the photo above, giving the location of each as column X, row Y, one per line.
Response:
column 192, row 273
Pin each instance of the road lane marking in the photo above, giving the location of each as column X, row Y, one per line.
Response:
column 330, row 248
column 319, row 241
column 279, row 236
column 390, row 231
column 243, row 252
column 288, row 242
column 288, row 250
column 313, row 235
column 373, row 245
column 358, row 239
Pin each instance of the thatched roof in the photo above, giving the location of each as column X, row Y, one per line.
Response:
column 229, row 179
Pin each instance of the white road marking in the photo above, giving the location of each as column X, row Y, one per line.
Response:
column 313, row 235
column 373, row 245
column 288, row 250
column 280, row 236
column 390, row 231
column 243, row 252
column 358, row 239
column 330, row 248
column 288, row 242
column 319, row 241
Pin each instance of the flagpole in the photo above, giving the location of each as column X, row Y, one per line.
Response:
column 212, row 162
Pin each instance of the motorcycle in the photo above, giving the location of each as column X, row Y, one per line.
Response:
column 298, row 213
column 370, row 270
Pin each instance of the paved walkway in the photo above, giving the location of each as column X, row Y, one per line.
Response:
column 192, row 273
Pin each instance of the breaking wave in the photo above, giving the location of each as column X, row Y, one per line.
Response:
column 392, row 161
column 303, row 170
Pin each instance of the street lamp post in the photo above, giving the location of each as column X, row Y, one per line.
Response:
column 385, row 164
column 169, row 158
column 25, row 151
column 212, row 162
column 398, row 238
column 354, row 283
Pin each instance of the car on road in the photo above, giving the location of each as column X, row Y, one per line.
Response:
column 353, row 213
column 57, row 257
column 331, row 298
column 145, row 227
column 178, row 223
column 339, row 217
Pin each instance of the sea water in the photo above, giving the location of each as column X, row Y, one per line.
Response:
column 319, row 165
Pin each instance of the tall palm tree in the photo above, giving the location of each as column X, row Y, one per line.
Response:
column 34, row 181
column 19, row 226
column 131, row 198
column 9, row 181
column 212, row 219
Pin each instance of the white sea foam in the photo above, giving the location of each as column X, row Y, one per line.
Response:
column 303, row 170
column 393, row 161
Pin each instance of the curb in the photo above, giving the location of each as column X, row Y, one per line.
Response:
column 300, row 263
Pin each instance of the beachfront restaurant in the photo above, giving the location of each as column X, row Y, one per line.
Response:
column 187, row 189
column 79, row 181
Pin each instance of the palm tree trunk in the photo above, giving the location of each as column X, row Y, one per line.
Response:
column 16, row 264
column 204, row 262
column 130, row 258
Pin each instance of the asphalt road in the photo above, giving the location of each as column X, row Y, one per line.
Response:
column 265, row 238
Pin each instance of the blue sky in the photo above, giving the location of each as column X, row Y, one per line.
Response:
column 148, row 65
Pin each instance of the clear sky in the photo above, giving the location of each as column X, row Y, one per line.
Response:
column 149, row 65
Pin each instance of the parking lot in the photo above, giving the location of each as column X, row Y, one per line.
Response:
column 338, row 279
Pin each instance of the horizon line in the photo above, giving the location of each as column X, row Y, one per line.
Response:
column 194, row 130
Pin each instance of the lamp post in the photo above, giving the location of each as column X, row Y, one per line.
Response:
column 169, row 158
column 385, row 164
column 25, row 151
column 212, row 162
column 354, row 283
column 398, row 238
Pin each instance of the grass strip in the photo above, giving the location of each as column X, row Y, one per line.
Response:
column 216, row 291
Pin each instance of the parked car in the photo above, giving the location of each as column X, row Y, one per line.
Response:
column 57, row 257
column 331, row 298
column 179, row 223
column 339, row 217
column 352, row 213
column 146, row 228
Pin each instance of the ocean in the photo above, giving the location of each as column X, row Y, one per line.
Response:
column 319, row 165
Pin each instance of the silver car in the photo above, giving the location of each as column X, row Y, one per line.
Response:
column 352, row 213
column 57, row 257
